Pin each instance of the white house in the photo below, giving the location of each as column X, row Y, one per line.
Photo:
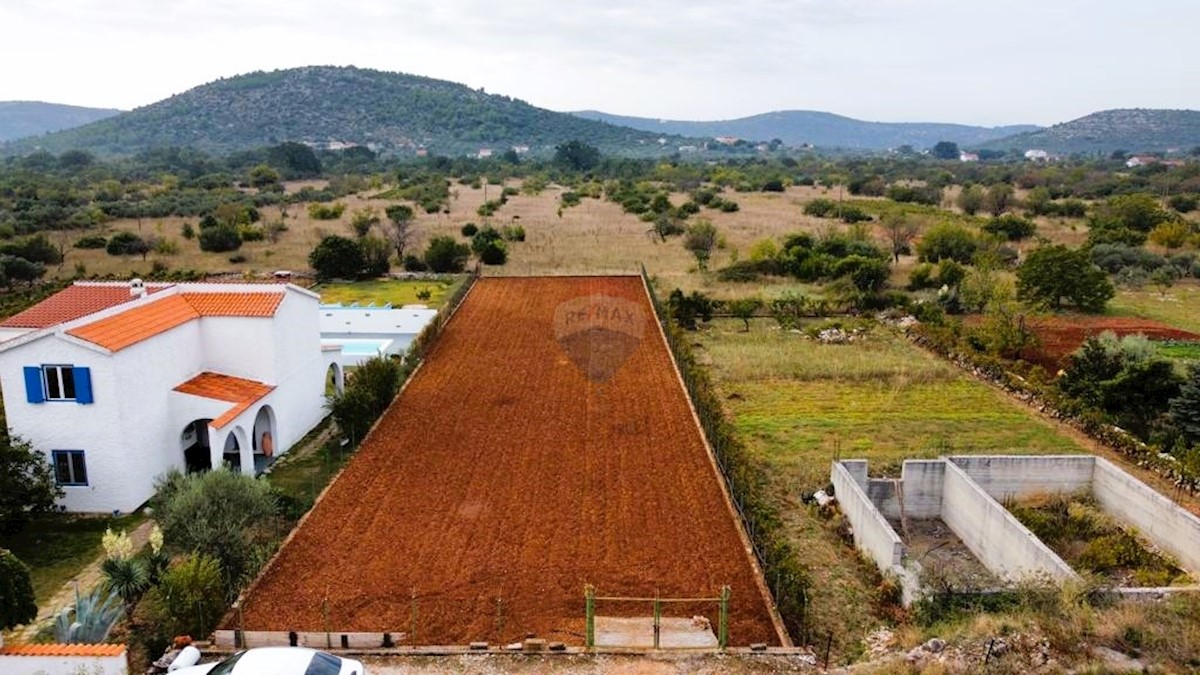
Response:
column 118, row 390
column 363, row 332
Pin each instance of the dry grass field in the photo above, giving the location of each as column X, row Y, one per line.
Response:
column 594, row 237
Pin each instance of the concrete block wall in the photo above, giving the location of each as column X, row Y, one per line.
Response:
column 922, row 486
column 1157, row 518
column 1005, row 546
column 1006, row 477
column 872, row 534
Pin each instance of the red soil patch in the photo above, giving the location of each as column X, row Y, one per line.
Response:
column 505, row 478
column 1060, row 336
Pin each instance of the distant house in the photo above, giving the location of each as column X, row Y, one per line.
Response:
column 965, row 156
column 359, row 333
column 726, row 140
column 484, row 153
column 1037, row 155
column 118, row 390
column 1147, row 160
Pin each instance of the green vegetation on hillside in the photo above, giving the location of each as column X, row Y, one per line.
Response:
column 320, row 105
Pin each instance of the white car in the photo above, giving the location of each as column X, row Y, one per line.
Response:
column 278, row 661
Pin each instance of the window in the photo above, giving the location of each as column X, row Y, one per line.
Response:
column 58, row 382
column 70, row 467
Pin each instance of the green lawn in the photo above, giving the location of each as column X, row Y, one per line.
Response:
column 57, row 547
column 798, row 404
column 308, row 466
column 1178, row 307
column 395, row 291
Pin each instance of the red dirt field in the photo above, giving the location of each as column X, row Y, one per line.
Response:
column 525, row 459
column 1060, row 336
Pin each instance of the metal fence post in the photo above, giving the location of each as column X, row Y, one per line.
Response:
column 723, row 620
column 589, row 604
column 657, row 621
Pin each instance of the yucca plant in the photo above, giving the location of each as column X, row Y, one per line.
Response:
column 128, row 578
column 89, row 620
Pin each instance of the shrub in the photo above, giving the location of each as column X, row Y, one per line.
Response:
column 1010, row 227
column 469, row 230
column 126, row 243
column 190, row 597
column 414, row 264
column 493, row 252
column 318, row 211
column 27, row 486
column 251, row 233
column 1184, row 203
column 166, row 246
column 228, row 516
column 821, row 208
column 853, row 214
column 91, row 242
column 513, row 233
column 947, row 240
column 220, row 238
column 446, row 255
column 365, row 397
column 17, row 605
column 921, row 277
column 336, row 257
column 237, row 258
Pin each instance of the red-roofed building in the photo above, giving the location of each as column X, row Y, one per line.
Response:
column 117, row 388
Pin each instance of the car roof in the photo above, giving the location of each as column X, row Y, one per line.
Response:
column 269, row 660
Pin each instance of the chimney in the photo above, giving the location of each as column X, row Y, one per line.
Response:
column 137, row 288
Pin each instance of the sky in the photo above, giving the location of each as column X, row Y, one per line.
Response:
column 967, row 61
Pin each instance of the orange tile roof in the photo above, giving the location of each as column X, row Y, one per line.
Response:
column 62, row 650
column 73, row 302
column 121, row 330
column 241, row 392
column 234, row 304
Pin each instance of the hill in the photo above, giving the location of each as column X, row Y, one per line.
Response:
column 19, row 119
column 821, row 129
column 330, row 105
column 1131, row 129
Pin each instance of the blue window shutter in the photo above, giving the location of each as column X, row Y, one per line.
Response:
column 33, row 385
column 83, row 384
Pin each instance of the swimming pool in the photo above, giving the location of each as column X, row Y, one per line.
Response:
column 357, row 350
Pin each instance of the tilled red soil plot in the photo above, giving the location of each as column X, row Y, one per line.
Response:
column 1060, row 336
column 545, row 444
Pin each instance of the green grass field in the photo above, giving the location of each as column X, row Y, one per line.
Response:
column 1178, row 307
column 798, row 404
column 395, row 291
column 56, row 547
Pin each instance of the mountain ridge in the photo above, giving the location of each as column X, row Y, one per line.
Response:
column 1106, row 131
column 324, row 105
column 21, row 119
column 820, row 129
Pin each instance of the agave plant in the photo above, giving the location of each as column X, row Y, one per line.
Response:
column 90, row 619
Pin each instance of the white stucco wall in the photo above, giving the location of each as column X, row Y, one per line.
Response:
column 65, row 425
column 131, row 433
column 239, row 346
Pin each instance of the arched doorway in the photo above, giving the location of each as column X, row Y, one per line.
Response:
column 197, row 456
column 263, row 438
column 231, row 456
column 335, row 380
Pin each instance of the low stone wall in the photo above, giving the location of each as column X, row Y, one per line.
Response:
column 228, row 639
